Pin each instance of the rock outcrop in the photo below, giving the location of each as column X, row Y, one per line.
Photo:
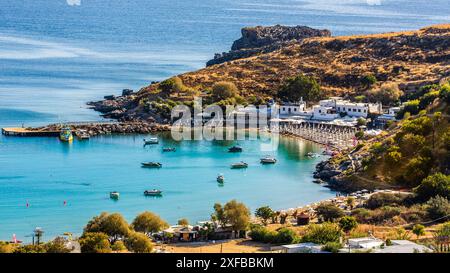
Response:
column 258, row 40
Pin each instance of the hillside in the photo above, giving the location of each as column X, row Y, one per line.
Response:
column 410, row 59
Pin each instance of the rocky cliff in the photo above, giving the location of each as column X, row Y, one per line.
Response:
column 258, row 40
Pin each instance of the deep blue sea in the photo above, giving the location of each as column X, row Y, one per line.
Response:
column 55, row 55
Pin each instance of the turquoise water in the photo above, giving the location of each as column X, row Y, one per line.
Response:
column 55, row 57
column 44, row 173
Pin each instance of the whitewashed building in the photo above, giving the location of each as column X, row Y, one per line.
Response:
column 297, row 108
column 351, row 109
column 324, row 113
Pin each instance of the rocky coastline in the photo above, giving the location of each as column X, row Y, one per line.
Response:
column 260, row 40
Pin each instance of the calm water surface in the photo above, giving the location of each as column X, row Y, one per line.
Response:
column 55, row 57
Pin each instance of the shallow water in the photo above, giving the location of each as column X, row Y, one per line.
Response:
column 43, row 173
column 55, row 57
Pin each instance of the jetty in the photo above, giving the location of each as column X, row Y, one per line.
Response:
column 88, row 129
column 29, row 132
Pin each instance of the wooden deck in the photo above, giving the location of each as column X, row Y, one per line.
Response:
column 24, row 132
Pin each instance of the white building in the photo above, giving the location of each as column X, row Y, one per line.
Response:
column 365, row 243
column 297, row 108
column 302, row 248
column 324, row 113
column 351, row 109
column 403, row 246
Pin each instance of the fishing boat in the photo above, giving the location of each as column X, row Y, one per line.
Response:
column 114, row 195
column 235, row 149
column 151, row 164
column 240, row 165
column 220, row 178
column 153, row 192
column 151, row 141
column 66, row 134
column 268, row 160
column 169, row 149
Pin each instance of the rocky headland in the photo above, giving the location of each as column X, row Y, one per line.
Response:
column 260, row 40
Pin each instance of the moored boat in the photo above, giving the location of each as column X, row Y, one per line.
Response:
column 169, row 149
column 66, row 134
column 235, row 149
column 312, row 155
column 268, row 160
column 114, row 195
column 151, row 164
column 239, row 165
column 151, row 141
column 153, row 192
column 220, row 178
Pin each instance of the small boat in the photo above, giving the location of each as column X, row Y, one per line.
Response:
column 66, row 134
column 220, row 178
column 151, row 164
column 151, row 141
column 235, row 149
column 153, row 193
column 82, row 134
column 169, row 149
column 114, row 195
column 312, row 155
column 268, row 160
column 240, row 165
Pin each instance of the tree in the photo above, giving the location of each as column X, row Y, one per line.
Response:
column 387, row 94
column 95, row 242
column 119, row 246
column 265, row 213
column 436, row 184
column 442, row 234
column 348, row 223
column 113, row 225
column 418, row 230
column 30, row 249
column 223, row 90
column 382, row 199
column 237, row 215
column 329, row 212
column 6, row 247
column 368, row 80
column 58, row 245
column 219, row 215
column 183, row 222
column 438, row 207
column 301, row 86
column 322, row 233
column 139, row 243
column 148, row 222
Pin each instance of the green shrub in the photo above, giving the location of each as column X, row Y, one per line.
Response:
column 362, row 215
column 368, row 80
column 285, row 236
column 223, row 91
column 329, row 212
column 173, row 84
column 332, row 247
column 301, row 86
column 322, row 233
column 438, row 207
column 436, row 184
column 348, row 223
column 382, row 199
